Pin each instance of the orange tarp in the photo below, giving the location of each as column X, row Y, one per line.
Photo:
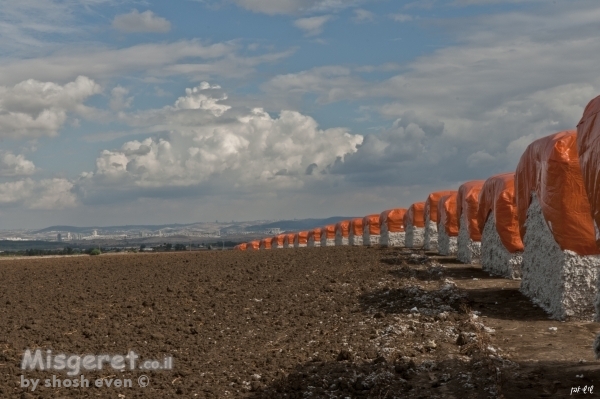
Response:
column 394, row 218
column 315, row 234
column 468, row 202
column 356, row 226
column 343, row 227
column 415, row 215
column 290, row 238
column 329, row 230
column 550, row 168
column 253, row 245
column 588, row 143
column 372, row 223
column 302, row 237
column 448, row 216
column 265, row 243
column 498, row 195
column 431, row 204
column 278, row 240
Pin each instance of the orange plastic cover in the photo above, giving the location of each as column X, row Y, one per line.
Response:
column 372, row 223
column 290, row 238
column 498, row 195
column 448, row 214
column 266, row 242
column 253, row 245
column 343, row 227
column 278, row 240
column 315, row 234
column 329, row 231
column 468, row 202
column 431, row 204
column 302, row 237
column 394, row 218
column 550, row 168
column 415, row 215
column 588, row 143
column 356, row 226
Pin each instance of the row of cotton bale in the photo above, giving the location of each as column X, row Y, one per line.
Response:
column 385, row 229
column 539, row 223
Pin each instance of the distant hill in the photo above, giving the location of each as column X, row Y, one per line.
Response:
column 284, row 225
column 297, row 225
column 75, row 229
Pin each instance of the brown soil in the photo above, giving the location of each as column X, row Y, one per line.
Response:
column 331, row 322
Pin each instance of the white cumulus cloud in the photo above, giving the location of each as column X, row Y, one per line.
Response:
column 210, row 143
column 46, row 194
column 146, row 21
column 15, row 165
column 32, row 109
column 312, row 26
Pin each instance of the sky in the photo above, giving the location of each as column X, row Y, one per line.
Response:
column 118, row 112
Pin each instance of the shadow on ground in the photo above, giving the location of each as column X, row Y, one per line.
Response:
column 479, row 378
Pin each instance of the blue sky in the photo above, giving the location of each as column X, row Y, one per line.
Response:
column 115, row 112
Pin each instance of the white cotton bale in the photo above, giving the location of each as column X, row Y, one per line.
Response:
column 561, row 282
column 469, row 251
column 312, row 243
column 390, row 238
column 327, row 242
column 447, row 245
column 370, row 239
column 495, row 258
column 328, row 236
column 339, row 239
column 355, row 239
column 414, row 236
column 430, row 235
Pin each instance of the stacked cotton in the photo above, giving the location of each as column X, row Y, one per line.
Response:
column 371, row 230
column 314, row 237
column 392, row 227
column 328, row 236
column 448, row 225
column 288, row 241
column 265, row 243
column 430, row 239
column 342, row 231
column 560, row 260
column 414, row 225
column 277, row 242
column 355, row 232
column 253, row 245
column 301, row 239
column 469, row 235
column 501, row 245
